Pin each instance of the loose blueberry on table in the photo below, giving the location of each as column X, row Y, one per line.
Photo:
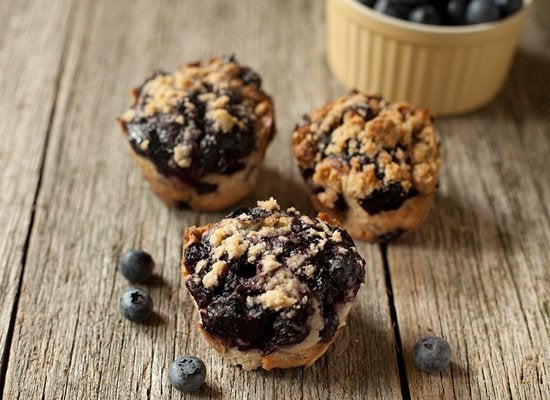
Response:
column 432, row 354
column 136, row 305
column 446, row 12
column 136, row 265
column 187, row 373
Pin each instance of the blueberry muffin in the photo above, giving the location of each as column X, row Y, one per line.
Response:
column 200, row 134
column 371, row 163
column 272, row 288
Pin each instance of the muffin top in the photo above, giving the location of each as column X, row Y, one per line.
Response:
column 365, row 148
column 204, row 118
column 264, row 278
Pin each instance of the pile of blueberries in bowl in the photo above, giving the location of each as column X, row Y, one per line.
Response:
column 446, row 12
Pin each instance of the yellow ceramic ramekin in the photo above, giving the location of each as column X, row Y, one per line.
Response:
column 449, row 69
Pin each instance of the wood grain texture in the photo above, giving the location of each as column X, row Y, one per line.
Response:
column 478, row 273
column 70, row 340
column 30, row 63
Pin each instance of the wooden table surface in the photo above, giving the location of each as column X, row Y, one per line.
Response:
column 71, row 201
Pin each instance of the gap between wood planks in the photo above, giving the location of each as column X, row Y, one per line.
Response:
column 57, row 86
column 397, row 336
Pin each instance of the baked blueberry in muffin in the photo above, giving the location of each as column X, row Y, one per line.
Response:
column 371, row 163
column 272, row 288
column 200, row 134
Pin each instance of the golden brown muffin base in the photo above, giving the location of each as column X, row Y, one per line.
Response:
column 173, row 192
column 231, row 188
column 278, row 359
column 363, row 226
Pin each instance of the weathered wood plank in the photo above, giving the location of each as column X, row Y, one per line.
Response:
column 478, row 273
column 30, row 64
column 70, row 340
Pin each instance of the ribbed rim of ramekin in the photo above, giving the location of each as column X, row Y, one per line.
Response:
column 446, row 29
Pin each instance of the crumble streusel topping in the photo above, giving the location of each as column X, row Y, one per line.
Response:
column 378, row 152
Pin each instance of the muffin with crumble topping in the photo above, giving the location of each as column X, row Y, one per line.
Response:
column 371, row 163
column 272, row 287
column 199, row 135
